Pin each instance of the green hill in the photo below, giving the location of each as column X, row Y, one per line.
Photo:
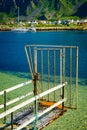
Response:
column 44, row 9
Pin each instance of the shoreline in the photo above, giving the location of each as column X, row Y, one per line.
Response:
column 48, row 28
column 59, row 28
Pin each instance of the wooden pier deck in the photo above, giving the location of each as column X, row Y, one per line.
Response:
column 43, row 121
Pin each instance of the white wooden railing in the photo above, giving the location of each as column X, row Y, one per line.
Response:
column 21, row 105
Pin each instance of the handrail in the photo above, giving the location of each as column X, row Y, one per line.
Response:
column 9, row 111
column 15, row 87
column 16, row 99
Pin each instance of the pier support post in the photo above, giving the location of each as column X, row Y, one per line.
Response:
column 63, row 97
column 12, row 121
column 4, row 105
column 35, row 103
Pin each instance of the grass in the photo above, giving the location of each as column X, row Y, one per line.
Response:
column 8, row 80
column 71, row 120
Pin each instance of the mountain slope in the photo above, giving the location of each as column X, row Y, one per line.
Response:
column 44, row 9
column 82, row 11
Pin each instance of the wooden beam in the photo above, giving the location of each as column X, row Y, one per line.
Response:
column 31, row 100
column 40, row 114
column 15, row 87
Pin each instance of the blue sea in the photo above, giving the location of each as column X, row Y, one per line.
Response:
column 12, row 54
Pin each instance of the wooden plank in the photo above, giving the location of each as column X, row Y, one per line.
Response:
column 30, row 100
column 48, row 104
column 40, row 114
column 15, row 87
column 16, row 99
column 49, row 116
column 22, row 115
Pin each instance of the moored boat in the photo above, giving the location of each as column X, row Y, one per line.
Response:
column 20, row 29
column 32, row 29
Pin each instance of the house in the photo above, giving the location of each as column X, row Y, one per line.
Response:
column 82, row 22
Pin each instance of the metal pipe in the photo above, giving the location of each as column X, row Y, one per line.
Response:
column 35, row 59
column 61, row 70
column 54, row 73
column 70, row 102
column 61, row 66
column 48, row 73
column 41, row 70
column 77, row 77
column 29, row 63
column 35, row 102
column 62, row 97
column 64, row 65
column 35, row 88
column 31, row 59
column 55, row 46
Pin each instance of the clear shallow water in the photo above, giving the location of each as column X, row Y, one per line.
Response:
column 12, row 55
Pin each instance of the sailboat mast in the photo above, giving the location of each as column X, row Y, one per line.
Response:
column 18, row 14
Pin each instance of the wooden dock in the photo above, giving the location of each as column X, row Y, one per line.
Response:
column 43, row 121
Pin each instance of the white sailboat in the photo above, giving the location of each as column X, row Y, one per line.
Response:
column 32, row 29
column 19, row 29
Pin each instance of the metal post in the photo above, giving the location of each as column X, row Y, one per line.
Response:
column 48, row 72
column 64, row 66
column 62, row 97
column 29, row 63
column 61, row 66
column 77, row 77
column 35, row 83
column 41, row 70
column 4, row 105
column 12, row 121
column 31, row 58
column 70, row 101
column 35, row 87
column 35, row 60
column 35, row 103
column 61, row 71
column 54, row 73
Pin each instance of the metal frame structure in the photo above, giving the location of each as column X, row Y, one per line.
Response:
column 50, row 67
column 66, row 61
column 63, row 60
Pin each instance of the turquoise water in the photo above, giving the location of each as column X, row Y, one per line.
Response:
column 12, row 55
